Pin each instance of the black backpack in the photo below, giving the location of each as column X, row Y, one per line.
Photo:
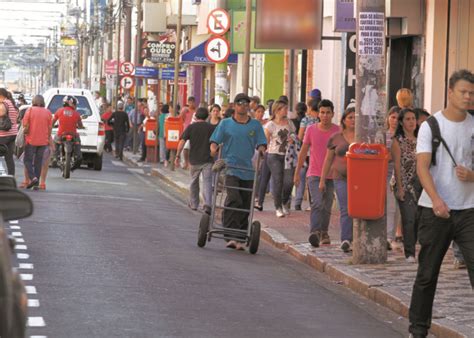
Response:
column 437, row 139
column 5, row 122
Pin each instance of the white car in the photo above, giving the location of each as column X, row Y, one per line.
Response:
column 93, row 136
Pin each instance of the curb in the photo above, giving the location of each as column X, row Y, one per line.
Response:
column 360, row 284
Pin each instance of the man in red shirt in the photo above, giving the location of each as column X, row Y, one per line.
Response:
column 69, row 120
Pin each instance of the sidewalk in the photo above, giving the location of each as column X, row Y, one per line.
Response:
column 387, row 284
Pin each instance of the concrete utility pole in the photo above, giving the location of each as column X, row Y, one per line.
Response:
column 248, row 35
column 138, row 50
column 370, row 236
column 97, row 33
column 119, row 31
column 127, row 35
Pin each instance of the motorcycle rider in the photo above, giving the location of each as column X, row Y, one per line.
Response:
column 69, row 121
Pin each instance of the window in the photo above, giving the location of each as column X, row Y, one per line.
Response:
column 83, row 106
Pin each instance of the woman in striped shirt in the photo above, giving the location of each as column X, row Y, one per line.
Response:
column 8, row 137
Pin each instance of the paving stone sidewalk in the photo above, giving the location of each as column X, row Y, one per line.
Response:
column 387, row 284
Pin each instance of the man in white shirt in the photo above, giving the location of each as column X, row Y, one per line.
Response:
column 447, row 200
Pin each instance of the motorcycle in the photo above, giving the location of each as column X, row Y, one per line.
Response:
column 67, row 157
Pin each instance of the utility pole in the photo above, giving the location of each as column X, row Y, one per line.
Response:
column 119, row 30
column 110, row 43
column 370, row 236
column 127, row 35
column 176, row 73
column 137, row 62
column 248, row 35
column 97, row 33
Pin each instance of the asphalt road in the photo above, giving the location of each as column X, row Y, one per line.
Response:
column 114, row 254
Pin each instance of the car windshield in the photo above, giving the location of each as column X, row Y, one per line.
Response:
column 83, row 106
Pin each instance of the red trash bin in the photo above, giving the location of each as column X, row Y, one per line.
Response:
column 173, row 130
column 150, row 133
column 367, row 166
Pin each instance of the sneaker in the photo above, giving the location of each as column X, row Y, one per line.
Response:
column 279, row 213
column 307, row 209
column 396, row 245
column 346, row 246
column 410, row 259
column 231, row 244
column 459, row 264
column 285, row 210
column 258, row 207
column 389, row 246
column 313, row 238
column 192, row 207
column 325, row 239
column 298, row 207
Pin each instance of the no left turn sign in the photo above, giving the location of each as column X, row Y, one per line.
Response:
column 218, row 21
column 217, row 49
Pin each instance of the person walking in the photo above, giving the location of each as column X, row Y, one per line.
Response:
column 239, row 136
column 121, row 126
column 215, row 115
column 447, row 199
column 198, row 135
column 109, row 129
column 280, row 132
column 316, row 140
column 165, row 110
column 335, row 161
column 37, row 124
column 407, row 186
column 8, row 135
column 187, row 116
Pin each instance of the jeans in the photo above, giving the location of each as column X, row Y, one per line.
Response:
column 143, row 145
column 301, row 187
column 346, row 221
column 282, row 179
column 457, row 252
column 33, row 160
column 263, row 180
column 237, row 199
column 196, row 170
column 76, row 148
column 409, row 213
column 109, row 138
column 391, row 213
column 9, row 141
column 163, row 150
column 435, row 235
column 119, row 144
column 321, row 203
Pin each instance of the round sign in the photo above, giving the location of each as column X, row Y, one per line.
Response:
column 218, row 21
column 217, row 49
column 127, row 68
column 127, row 82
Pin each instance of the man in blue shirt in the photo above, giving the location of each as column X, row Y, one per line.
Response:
column 239, row 136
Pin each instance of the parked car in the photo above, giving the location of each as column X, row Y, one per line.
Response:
column 93, row 136
column 14, row 205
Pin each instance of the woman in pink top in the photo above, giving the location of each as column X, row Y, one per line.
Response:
column 37, row 126
column 7, row 137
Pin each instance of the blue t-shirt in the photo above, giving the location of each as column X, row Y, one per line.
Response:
column 239, row 143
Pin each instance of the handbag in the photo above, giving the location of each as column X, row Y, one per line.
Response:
column 20, row 137
column 5, row 122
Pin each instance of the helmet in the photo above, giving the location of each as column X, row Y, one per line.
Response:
column 69, row 101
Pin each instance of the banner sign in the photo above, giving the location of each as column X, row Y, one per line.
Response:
column 168, row 74
column 160, row 51
column 371, row 33
column 110, row 67
column 344, row 20
column 147, row 72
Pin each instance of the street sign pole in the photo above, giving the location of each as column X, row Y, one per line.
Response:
column 370, row 236
column 248, row 31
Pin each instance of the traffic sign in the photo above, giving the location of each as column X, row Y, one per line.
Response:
column 127, row 82
column 127, row 68
column 217, row 49
column 218, row 21
column 148, row 72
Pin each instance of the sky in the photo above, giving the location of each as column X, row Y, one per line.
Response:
column 30, row 21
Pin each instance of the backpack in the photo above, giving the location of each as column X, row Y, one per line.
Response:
column 5, row 122
column 437, row 139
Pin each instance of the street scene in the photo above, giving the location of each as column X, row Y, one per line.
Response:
column 219, row 168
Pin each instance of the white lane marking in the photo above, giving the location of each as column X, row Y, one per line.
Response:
column 13, row 222
column 35, row 322
column 97, row 181
column 119, row 164
column 38, row 336
column 22, row 256
column 99, row 196
column 33, row 303
column 31, row 290
column 26, row 276
column 137, row 170
column 15, row 227
column 17, row 234
column 25, row 266
column 21, row 247
column 19, row 240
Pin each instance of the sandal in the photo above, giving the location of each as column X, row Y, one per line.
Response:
column 24, row 184
column 42, row 186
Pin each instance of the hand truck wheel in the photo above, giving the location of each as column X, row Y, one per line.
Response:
column 203, row 229
column 254, row 237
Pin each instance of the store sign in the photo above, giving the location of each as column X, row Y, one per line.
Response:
column 146, row 72
column 344, row 20
column 168, row 74
column 110, row 67
column 160, row 51
column 289, row 24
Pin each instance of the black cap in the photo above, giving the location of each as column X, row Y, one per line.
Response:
column 241, row 97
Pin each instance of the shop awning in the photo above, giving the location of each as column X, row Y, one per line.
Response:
column 197, row 56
